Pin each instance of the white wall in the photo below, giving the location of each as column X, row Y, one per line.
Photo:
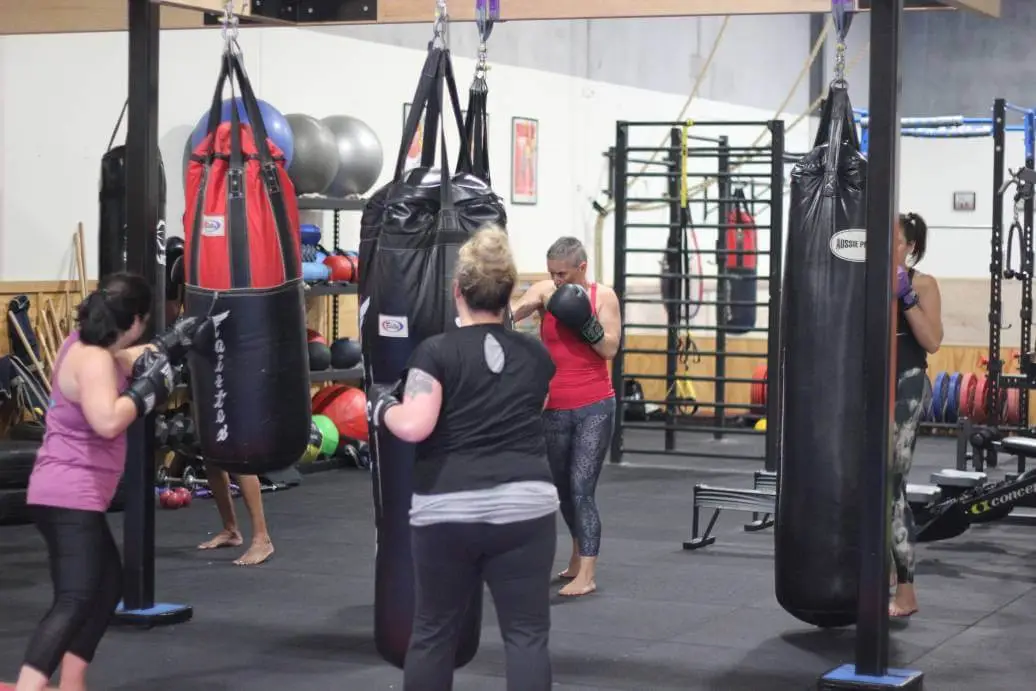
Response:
column 58, row 108
column 931, row 170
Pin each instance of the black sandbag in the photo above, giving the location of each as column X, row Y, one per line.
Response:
column 817, row 559
column 410, row 233
column 111, row 228
column 253, row 372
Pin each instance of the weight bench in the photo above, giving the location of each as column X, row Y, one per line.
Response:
column 758, row 501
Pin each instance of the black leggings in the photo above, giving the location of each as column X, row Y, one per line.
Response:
column 451, row 561
column 86, row 570
column 577, row 444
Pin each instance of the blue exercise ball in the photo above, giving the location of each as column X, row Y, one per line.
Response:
column 277, row 126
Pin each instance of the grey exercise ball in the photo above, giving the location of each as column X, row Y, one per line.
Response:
column 315, row 162
column 359, row 156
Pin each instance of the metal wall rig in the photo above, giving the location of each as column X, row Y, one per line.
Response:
column 732, row 164
column 1022, row 194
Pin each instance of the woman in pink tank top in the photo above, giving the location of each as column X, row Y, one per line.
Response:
column 101, row 384
column 581, row 326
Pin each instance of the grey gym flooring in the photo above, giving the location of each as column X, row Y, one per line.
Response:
column 662, row 619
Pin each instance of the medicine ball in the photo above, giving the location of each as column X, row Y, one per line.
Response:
column 349, row 413
column 345, row 353
column 314, row 336
column 323, row 397
column 343, row 267
column 328, row 434
column 319, row 356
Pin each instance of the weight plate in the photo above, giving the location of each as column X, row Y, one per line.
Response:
column 1014, row 407
column 967, row 395
column 926, row 412
column 978, row 408
column 939, row 398
column 953, row 398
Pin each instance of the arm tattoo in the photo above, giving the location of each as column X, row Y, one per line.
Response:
column 418, row 382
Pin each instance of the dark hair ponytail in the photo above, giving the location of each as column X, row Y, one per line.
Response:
column 915, row 232
column 112, row 309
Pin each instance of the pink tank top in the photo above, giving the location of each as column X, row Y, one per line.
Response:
column 75, row 468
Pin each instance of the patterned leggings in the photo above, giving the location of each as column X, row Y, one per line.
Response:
column 577, row 444
column 913, row 392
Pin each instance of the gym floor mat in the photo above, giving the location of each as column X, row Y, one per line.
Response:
column 662, row 619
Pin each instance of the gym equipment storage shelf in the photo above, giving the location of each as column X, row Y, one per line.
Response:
column 322, row 289
column 353, row 374
column 335, row 205
column 318, row 203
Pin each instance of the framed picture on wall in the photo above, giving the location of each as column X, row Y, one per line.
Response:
column 524, row 160
column 964, row 201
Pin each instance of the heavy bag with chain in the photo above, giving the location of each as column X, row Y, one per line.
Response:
column 243, row 267
column 741, row 267
column 111, row 227
column 409, row 237
column 817, row 528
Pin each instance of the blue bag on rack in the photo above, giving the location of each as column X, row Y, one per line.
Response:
column 310, row 234
column 315, row 271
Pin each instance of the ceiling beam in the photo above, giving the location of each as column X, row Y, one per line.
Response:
column 71, row 16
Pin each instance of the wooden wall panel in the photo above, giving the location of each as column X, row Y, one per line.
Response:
column 948, row 359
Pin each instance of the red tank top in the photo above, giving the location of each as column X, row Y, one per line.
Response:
column 582, row 375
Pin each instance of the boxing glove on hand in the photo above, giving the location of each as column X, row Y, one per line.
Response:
column 905, row 289
column 179, row 338
column 570, row 305
column 381, row 398
column 152, row 381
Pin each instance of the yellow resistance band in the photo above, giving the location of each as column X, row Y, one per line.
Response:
column 684, row 387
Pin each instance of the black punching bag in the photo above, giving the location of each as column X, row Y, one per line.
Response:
column 409, row 237
column 817, row 528
column 111, row 228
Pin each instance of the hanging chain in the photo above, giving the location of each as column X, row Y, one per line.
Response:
column 840, row 49
column 441, row 39
column 230, row 27
column 487, row 12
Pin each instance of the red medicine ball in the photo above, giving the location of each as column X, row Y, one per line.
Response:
column 343, row 267
column 348, row 411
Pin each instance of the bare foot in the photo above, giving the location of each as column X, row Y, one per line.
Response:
column 904, row 602
column 260, row 551
column 578, row 588
column 224, row 538
column 568, row 574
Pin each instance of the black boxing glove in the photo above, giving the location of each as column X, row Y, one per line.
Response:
column 152, row 381
column 570, row 305
column 180, row 337
column 381, row 398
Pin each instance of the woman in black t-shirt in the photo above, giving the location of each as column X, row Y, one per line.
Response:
column 484, row 499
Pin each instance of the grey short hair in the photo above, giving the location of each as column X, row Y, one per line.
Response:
column 568, row 249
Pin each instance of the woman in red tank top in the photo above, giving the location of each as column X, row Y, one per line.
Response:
column 580, row 327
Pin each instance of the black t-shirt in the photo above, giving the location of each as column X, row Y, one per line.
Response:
column 490, row 429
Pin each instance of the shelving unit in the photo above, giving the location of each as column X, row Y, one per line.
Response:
column 336, row 206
